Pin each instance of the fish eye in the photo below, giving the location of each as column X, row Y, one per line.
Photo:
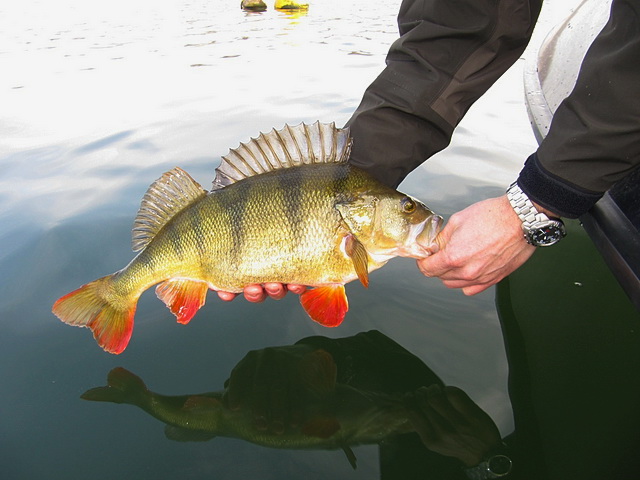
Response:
column 408, row 205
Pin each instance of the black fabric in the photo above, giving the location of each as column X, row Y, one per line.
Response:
column 451, row 51
column 551, row 192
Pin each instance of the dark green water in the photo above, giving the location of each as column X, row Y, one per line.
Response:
column 107, row 102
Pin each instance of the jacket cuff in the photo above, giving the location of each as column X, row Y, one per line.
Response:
column 553, row 193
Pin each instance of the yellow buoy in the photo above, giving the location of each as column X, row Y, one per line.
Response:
column 290, row 5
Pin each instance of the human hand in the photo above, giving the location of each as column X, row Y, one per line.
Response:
column 451, row 424
column 478, row 247
column 258, row 293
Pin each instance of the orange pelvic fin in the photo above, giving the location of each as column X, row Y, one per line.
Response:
column 112, row 324
column 326, row 305
column 184, row 297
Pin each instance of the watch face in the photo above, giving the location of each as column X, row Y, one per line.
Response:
column 546, row 235
column 500, row 465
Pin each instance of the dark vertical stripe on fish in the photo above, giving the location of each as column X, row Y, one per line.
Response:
column 292, row 192
column 176, row 241
column 237, row 215
column 197, row 226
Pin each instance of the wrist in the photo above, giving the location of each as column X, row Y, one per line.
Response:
column 546, row 211
column 496, row 464
column 540, row 229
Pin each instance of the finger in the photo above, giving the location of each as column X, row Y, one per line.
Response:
column 434, row 265
column 438, row 243
column 462, row 402
column 420, row 420
column 469, row 285
column 481, row 422
column 475, row 289
column 438, row 400
column 430, row 424
column 297, row 289
column 227, row 296
column 254, row 293
column 275, row 290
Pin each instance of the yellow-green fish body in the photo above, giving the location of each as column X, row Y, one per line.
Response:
column 286, row 207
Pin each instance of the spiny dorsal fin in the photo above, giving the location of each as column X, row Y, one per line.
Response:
column 165, row 197
column 290, row 147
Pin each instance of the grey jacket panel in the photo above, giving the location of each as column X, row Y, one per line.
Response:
column 594, row 138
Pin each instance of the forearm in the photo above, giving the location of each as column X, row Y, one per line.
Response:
column 594, row 139
column 448, row 55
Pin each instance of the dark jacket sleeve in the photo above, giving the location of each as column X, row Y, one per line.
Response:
column 594, row 138
column 448, row 54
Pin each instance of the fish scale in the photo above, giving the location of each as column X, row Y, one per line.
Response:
column 308, row 218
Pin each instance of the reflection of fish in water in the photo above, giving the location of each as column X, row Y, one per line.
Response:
column 286, row 207
column 335, row 416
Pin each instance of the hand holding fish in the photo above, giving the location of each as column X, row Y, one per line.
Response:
column 478, row 247
column 258, row 293
column 451, row 424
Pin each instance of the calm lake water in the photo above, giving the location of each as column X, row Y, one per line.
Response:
column 97, row 100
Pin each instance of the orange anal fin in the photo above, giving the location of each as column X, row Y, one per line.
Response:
column 326, row 305
column 184, row 297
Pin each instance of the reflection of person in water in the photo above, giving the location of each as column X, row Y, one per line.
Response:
column 326, row 393
column 459, row 437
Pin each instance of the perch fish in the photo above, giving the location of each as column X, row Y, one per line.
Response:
column 285, row 207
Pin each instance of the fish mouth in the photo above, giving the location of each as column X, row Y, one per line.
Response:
column 432, row 227
column 423, row 241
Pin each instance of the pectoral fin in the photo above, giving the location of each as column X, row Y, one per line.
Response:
column 326, row 305
column 358, row 254
column 184, row 297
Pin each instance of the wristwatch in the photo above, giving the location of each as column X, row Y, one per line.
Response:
column 495, row 466
column 539, row 230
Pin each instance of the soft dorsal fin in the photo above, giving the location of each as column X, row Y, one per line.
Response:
column 290, row 147
column 165, row 197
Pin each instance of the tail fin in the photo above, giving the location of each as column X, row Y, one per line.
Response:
column 92, row 306
column 122, row 387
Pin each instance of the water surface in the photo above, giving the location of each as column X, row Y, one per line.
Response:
column 98, row 100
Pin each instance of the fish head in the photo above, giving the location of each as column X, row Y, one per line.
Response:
column 392, row 224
